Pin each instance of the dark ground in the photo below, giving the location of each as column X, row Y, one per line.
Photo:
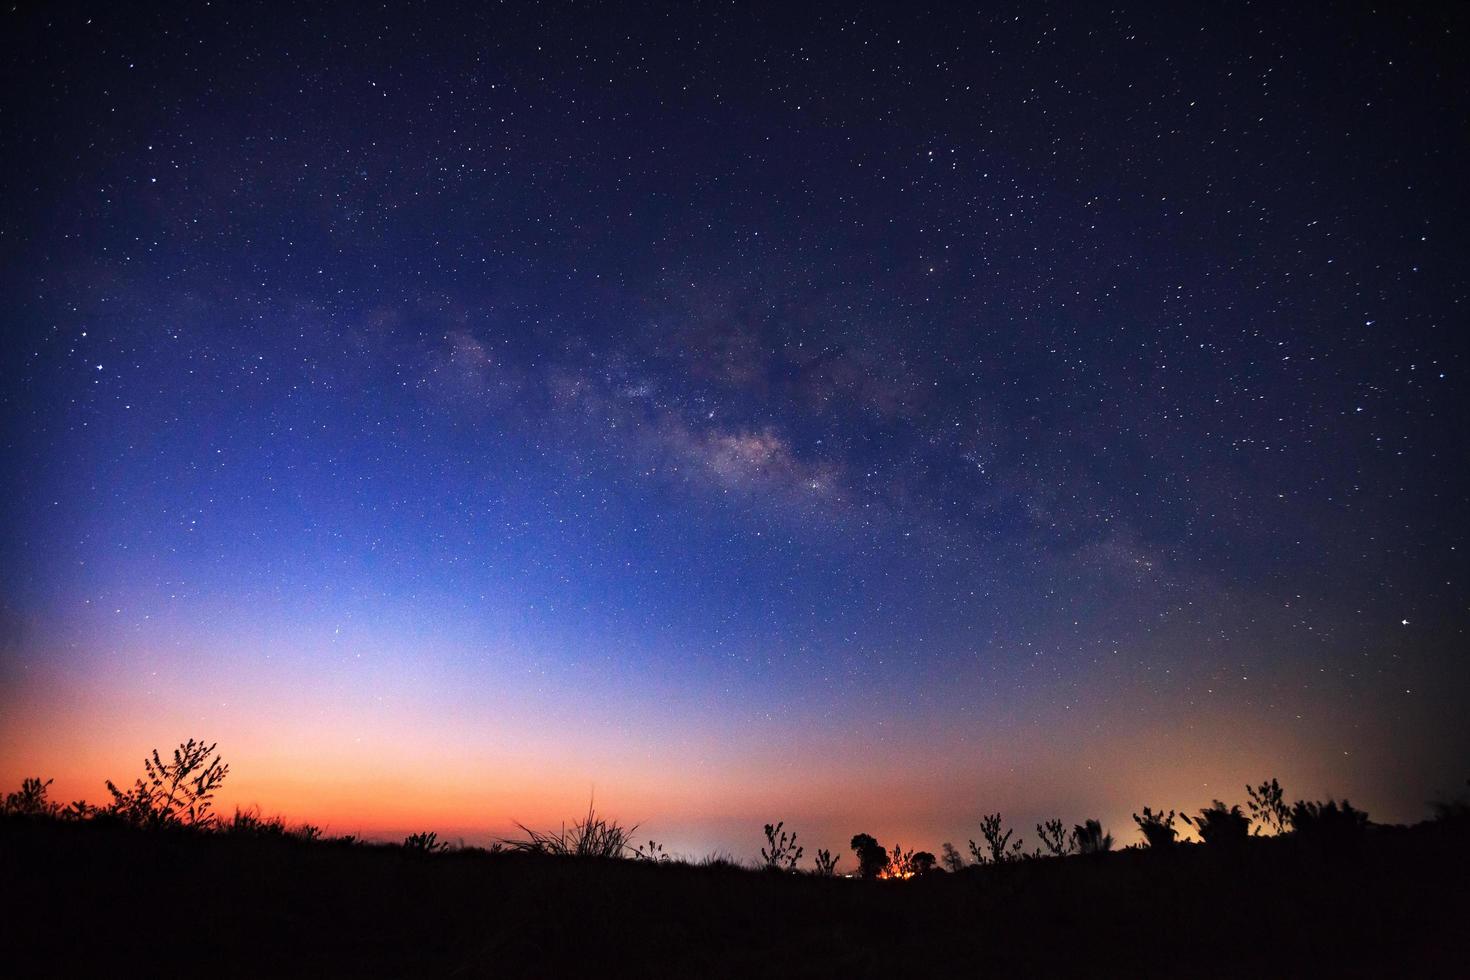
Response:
column 92, row 900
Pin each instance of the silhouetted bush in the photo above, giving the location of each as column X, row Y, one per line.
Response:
column 1091, row 839
column 872, row 858
column 998, row 845
column 30, row 800
column 1157, row 828
column 1221, row 826
column 1328, row 822
column 1268, row 807
column 175, row 793
column 1055, row 838
column 77, row 810
column 781, row 851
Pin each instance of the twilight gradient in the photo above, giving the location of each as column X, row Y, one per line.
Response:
column 867, row 419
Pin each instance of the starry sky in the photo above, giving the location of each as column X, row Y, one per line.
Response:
column 863, row 416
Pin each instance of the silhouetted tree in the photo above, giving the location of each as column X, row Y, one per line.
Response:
column 1055, row 838
column 1157, row 828
column 922, row 862
column 177, row 792
column 1091, row 839
column 780, row 852
column 950, row 857
column 1268, row 807
column 1220, row 826
column 872, row 858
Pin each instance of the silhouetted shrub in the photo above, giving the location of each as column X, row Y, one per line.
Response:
column 1268, row 807
column 178, row 792
column 998, row 846
column 592, row 836
column 30, row 800
column 781, row 851
column 1157, row 828
column 1091, row 839
column 78, row 810
column 826, row 863
column 424, row 843
column 252, row 823
column 950, row 858
column 1220, row 826
column 308, row 832
column 872, row 858
column 1055, row 838
column 1328, row 822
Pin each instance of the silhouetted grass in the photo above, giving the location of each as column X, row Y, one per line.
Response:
column 592, row 836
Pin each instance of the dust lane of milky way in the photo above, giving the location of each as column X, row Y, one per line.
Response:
column 867, row 418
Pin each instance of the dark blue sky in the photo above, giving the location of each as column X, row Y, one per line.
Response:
column 898, row 412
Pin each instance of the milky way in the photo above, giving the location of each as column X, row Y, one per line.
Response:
column 868, row 419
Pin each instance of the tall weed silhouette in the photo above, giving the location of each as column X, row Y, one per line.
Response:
column 1055, row 838
column 1267, row 805
column 781, row 851
column 179, row 792
column 826, row 863
column 999, row 847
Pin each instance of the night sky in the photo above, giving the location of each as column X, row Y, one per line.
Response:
column 868, row 418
